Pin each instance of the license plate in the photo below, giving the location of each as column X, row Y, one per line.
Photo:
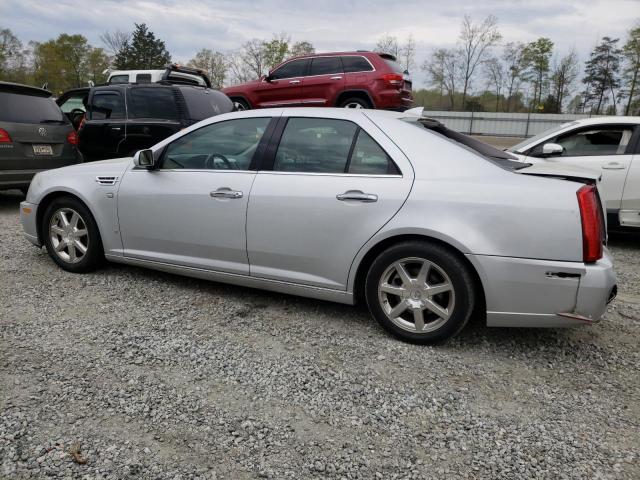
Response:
column 42, row 150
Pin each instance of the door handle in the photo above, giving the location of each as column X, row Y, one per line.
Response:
column 116, row 129
column 337, row 77
column 358, row 196
column 226, row 192
column 613, row 166
column 293, row 82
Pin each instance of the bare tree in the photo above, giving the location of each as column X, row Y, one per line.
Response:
column 115, row 41
column 238, row 70
column 497, row 76
column 563, row 75
column 476, row 40
column 444, row 70
column 408, row 53
column 214, row 63
column 513, row 58
column 254, row 57
column 388, row 44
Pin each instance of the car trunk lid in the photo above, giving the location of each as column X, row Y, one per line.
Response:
column 566, row 172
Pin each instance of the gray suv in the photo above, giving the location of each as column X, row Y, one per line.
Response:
column 34, row 135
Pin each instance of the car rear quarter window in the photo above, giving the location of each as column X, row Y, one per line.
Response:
column 204, row 103
column 356, row 64
column 295, row 68
column 325, row 66
column 315, row 145
column 107, row 106
column 368, row 158
column 19, row 108
column 157, row 102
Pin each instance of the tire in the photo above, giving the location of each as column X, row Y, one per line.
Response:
column 399, row 304
column 240, row 104
column 354, row 102
column 67, row 226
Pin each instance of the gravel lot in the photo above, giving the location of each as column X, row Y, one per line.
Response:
column 149, row 375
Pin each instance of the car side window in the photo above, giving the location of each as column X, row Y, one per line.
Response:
column 315, row 145
column 295, row 68
column 595, row 141
column 152, row 102
column 73, row 103
column 107, row 106
column 356, row 63
column 325, row 66
column 119, row 79
column 368, row 158
column 227, row 145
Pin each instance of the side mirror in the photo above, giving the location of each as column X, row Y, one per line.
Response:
column 551, row 149
column 144, row 158
column 268, row 78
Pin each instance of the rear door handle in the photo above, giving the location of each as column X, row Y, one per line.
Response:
column 293, row 82
column 358, row 196
column 116, row 129
column 613, row 166
column 226, row 192
column 337, row 77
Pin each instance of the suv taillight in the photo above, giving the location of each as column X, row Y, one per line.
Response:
column 72, row 138
column 4, row 136
column 393, row 79
column 592, row 223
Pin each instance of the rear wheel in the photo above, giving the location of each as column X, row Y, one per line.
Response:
column 420, row 291
column 240, row 104
column 354, row 102
column 71, row 235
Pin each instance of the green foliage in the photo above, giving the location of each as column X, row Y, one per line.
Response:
column 602, row 74
column 143, row 52
column 536, row 57
column 214, row 63
column 631, row 73
column 275, row 51
column 301, row 48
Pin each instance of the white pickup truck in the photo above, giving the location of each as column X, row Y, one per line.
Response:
column 609, row 145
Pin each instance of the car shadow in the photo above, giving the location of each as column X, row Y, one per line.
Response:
column 10, row 200
column 625, row 238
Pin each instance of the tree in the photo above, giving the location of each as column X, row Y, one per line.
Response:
column 602, row 73
column 301, row 48
column 631, row 52
column 11, row 55
column 254, row 57
column 497, row 76
column 97, row 62
column 115, row 41
column 536, row 57
column 476, row 40
column 408, row 53
column 275, row 50
column 443, row 70
column 143, row 52
column 238, row 70
column 513, row 58
column 563, row 74
column 388, row 44
column 214, row 63
column 62, row 63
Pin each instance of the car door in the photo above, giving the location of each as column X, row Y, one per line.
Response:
column 191, row 211
column 282, row 86
column 104, row 129
column 324, row 83
column 605, row 148
column 630, row 209
column 325, row 188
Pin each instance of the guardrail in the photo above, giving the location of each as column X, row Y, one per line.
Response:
column 502, row 124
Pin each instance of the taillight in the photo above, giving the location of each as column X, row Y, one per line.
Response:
column 393, row 79
column 592, row 223
column 72, row 138
column 4, row 136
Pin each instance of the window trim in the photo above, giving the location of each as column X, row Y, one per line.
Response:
column 255, row 159
column 308, row 68
column 268, row 160
column 632, row 146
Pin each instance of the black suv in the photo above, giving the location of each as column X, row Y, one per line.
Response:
column 121, row 119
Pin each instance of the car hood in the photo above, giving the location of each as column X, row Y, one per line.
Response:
column 546, row 169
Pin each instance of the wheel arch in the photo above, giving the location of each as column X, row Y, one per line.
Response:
column 241, row 97
column 367, row 258
column 363, row 94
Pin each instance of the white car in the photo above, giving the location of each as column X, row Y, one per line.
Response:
column 608, row 145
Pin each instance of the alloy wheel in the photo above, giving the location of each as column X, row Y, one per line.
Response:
column 353, row 105
column 69, row 235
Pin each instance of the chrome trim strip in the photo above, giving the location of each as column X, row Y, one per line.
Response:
column 320, row 293
column 577, row 316
column 319, row 174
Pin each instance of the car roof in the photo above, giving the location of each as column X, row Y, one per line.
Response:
column 607, row 120
column 24, row 89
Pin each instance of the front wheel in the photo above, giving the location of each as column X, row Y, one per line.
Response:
column 420, row 291
column 71, row 235
column 240, row 104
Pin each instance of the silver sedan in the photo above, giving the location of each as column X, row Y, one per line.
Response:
column 425, row 225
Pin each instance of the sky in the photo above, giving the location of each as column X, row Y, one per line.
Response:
column 331, row 25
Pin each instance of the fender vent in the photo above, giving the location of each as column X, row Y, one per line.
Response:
column 107, row 180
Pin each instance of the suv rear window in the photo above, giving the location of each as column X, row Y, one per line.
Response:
column 152, row 103
column 17, row 108
column 356, row 64
column 204, row 103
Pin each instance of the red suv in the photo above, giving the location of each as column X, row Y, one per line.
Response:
column 344, row 79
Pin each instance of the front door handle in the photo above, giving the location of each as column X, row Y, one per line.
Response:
column 337, row 77
column 116, row 129
column 358, row 196
column 613, row 166
column 293, row 82
column 226, row 192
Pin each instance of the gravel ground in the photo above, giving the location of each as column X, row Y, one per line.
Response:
column 130, row 373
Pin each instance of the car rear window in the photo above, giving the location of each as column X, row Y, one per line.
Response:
column 356, row 64
column 119, row 79
column 152, row 103
column 204, row 103
column 19, row 108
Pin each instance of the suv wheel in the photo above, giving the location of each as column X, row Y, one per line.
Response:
column 71, row 235
column 240, row 104
column 420, row 292
column 354, row 102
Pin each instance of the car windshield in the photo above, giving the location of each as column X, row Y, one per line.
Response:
column 17, row 108
column 531, row 140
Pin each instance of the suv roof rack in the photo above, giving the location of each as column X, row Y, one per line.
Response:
column 174, row 67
